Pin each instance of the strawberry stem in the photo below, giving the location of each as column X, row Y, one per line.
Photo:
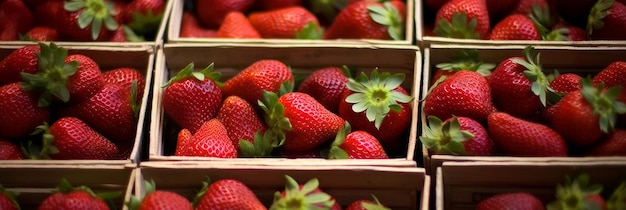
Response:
column 311, row 31
column 604, row 103
column 389, row 16
column 188, row 72
column 572, row 194
column 335, row 151
column 458, row 27
column 305, row 197
column 445, row 138
column 540, row 83
column 598, row 12
column 467, row 60
column 94, row 13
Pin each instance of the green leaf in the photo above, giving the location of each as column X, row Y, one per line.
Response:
column 84, row 19
column 73, row 5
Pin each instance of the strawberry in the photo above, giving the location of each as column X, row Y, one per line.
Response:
column 355, row 145
column 23, row 59
column 612, row 75
column 124, row 33
column 311, row 125
column 266, row 5
column 379, row 106
column 525, row 7
column 190, row 27
column 456, row 136
column 566, row 32
column 211, row 13
column 565, row 83
column 15, row 19
column 159, row 200
column 364, row 204
column 70, row 138
column 192, row 98
column 7, row 199
column 578, row 193
column 78, row 76
column 515, row 27
column 9, row 151
column 519, row 86
column 512, row 201
column 463, row 60
column 227, row 194
column 582, row 117
column 240, row 119
column 288, row 23
column 607, row 21
column 183, row 138
column 307, row 196
column 66, row 196
column 87, row 20
column 40, row 33
column 125, row 76
column 369, row 20
column 612, row 145
column 262, row 75
column 468, row 19
column 518, row 137
column 211, row 140
column 144, row 16
column 466, row 93
column 19, row 113
column 325, row 85
column 236, row 25
column 47, row 13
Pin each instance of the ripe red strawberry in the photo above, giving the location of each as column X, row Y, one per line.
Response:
column 607, row 21
column 565, row 83
column 15, row 19
column 23, row 59
column 525, row 7
column 211, row 140
column 613, row 75
column 466, row 93
column 183, row 138
column 296, row 196
column 99, row 25
column 66, row 196
column 512, row 201
column 311, row 124
column 519, row 86
column 236, row 25
column 565, row 32
column 190, row 27
column 211, row 13
column 262, row 75
column 518, row 137
column 285, row 23
column 19, row 113
column 125, row 76
column 612, row 145
column 87, row 79
column 9, row 151
column 463, row 19
column 7, row 199
column 70, row 138
column 364, row 204
column 138, row 10
column 355, row 145
column 192, row 98
column 379, row 106
column 369, row 20
column 325, row 85
column 463, row 60
column 47, row 13
column 159, row 200
column 515, row 27
column 266, row 5
column 227, row 194
column 240, row 119
column 457, row 136
column 582, row 117
column 40, row 33
column 578, row 193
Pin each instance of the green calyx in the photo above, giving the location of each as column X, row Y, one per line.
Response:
column 573, row 194
column 598, row 12
column 202, row 192
column 305, row 198
column 604, row 103
column 541, row 18
column 274, row 116
column 52, row 76
column 445, row 138
column 458, row 27
column 188, row 72
column 65, row 187
column 617, row 200
column 11, row 195
column 335, row 151
column 262, row 146
column 146, row 24
column 389, row 16
column 40, row 150
column 467, row 60
column 311, row 31
column 376, row 95
column 94, row 13
column 134, row 202
column 559, row 34
column 374, row 206
column 540, row 83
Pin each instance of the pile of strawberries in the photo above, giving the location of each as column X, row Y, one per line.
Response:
column 60, row 106
column 574, row 193
column 517, row 110
column 295, row 19
column 552, row 20
column 261, row 112
column 80, row 20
